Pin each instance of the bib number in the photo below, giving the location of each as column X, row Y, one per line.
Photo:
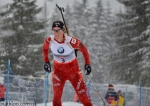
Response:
column 63, row 60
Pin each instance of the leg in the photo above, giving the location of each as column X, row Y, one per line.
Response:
column 58, row 85
column 78, row 84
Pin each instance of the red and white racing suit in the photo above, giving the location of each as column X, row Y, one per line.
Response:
column 66, row 67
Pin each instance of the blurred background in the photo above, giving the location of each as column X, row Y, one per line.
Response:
column 116, row 33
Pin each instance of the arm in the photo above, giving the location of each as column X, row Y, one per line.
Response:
column 77, row 44
column 106, row 96
column 117, row 97
column 45, row 49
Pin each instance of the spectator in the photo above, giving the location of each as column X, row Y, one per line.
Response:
column 111, row 96
column 2, row 92
column 121, row 101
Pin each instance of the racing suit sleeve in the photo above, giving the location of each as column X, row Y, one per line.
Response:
column 45, row 49
column 77, row 44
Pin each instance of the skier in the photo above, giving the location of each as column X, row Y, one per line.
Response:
column 111, row 96
column 65, row 64
column 2, row 92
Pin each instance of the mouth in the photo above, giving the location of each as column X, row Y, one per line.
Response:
column 57, row 36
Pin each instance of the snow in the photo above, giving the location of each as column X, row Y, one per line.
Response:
column 18, row 66
column 63, row 104
column 10, row 16
column 22, row 58
column 20, row 27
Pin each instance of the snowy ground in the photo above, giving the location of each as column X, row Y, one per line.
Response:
column 16, row 103
column 64, row 104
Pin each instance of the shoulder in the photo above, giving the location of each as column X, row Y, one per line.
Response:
column 49, row 38
column 74, row 40
column 69, row 38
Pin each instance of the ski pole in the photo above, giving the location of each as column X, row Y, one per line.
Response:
column 100, row 97
column 61, row 9
column 46, row 88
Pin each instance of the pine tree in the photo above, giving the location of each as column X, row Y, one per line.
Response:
column 23, row 47
column 2, row 65
column 134, row 22
column 100, row 40
column 77, row 19
column 68, row 18
column 108, row 42
column 143, row 38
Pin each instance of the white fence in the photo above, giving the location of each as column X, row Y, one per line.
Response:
column 130, row 92
column 25, row 89
column 32, row 90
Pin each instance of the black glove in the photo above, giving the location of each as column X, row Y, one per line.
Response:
column 87, row 69
column 47, row 67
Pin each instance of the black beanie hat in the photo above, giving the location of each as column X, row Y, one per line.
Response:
column 110, row 86
column 59, row 24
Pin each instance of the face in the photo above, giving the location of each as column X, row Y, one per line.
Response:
column 58, row 33
column 120, row 93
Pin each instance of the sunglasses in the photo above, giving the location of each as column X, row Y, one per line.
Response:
column 56, row 31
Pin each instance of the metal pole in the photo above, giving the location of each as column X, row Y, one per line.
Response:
column 140, row 84
column 46, row 74
column 88, row 86
column 8, row 70
column 46, row 87
column 126, row 96
column 140, row 93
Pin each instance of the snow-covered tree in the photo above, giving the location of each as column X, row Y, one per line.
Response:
column 144, row 38
column 99, row 41
column 108, row 42
column 68, row 18
column 133, row 23
column 20, row 18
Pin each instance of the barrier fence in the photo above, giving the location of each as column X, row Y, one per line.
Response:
column 23, row 89
column 131, row 93
column 39, row 90
column 32, row 90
